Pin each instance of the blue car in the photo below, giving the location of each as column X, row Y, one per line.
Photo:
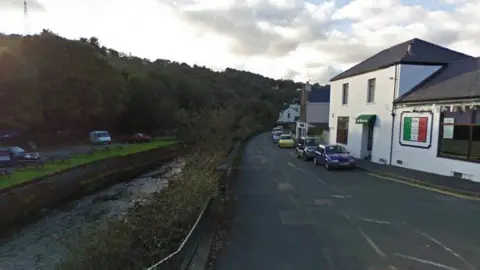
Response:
column 333, row 157
column 276, row 136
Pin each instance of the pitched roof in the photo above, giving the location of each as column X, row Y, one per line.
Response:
column 421, row 52
column 319, row 94
column 457, row 80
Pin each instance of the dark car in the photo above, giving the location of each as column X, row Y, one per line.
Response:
column 9, row 156
column 5, row 157
column 276, row 136
column 306, row 147
column 138, row 138
column 333, row 157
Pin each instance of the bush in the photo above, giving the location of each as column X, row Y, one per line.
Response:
column 154, row 226
column 315, row 131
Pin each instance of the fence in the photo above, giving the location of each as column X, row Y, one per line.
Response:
column 182, row 258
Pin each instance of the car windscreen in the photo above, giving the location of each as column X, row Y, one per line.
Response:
column 310, row 142
column 286, row 137
column 17, row 150
column 278, row 133
column 103, row 135
column 335, row 149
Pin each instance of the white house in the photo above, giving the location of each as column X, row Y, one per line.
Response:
column 437, row 123
column 363, row 107
column 290, row 114
column 317, row 108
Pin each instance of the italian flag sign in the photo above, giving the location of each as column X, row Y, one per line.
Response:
column 415, row 129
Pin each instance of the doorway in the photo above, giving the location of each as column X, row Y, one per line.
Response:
column 369, row 137
column 367, row 141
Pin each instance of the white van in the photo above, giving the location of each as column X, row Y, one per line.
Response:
column 100, row 137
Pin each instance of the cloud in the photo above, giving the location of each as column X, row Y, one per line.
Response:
column 303, row 40
column 333, row 35
column 269, row 28
column 18, row 4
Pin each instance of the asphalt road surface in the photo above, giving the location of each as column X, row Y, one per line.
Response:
column 292, row 214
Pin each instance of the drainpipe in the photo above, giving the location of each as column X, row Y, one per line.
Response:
column 395, row 79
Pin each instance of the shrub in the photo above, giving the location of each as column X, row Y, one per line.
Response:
column 154, row 226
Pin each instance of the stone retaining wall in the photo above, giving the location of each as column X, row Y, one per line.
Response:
column 21, row 202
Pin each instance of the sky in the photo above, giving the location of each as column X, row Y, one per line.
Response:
column 290, row 39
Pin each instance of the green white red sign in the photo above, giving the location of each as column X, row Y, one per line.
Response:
column 416, row 129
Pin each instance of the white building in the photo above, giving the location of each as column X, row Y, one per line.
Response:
column 448, row 140
column 290, row 114
column 364, row 99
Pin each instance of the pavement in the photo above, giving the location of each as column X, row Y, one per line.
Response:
column 448, row 183
column 292, row 214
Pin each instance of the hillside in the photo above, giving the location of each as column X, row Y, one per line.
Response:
column 50, row 85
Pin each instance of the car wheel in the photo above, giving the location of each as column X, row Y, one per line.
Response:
column 327, row 166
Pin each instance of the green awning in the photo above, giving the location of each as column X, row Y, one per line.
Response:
column 368, row 119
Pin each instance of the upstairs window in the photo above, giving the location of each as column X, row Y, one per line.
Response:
column 371, row 90
column 345, row 94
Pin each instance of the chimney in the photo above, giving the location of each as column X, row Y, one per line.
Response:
column 410, row 48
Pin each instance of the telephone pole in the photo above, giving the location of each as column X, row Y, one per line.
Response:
column 25, row 17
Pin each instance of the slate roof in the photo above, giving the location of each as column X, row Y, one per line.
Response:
column 457, row 80
column 319, row 94
column 422, row 52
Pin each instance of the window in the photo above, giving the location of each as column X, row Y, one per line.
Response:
column 459, row 135
column 310, row 142
column 288, row 115
column 336, row 149
column 342, row 129
column 345, row 94
column 371, row 91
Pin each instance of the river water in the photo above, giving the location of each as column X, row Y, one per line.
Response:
column 42, row 244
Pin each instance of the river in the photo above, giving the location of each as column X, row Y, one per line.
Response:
column 42, row 244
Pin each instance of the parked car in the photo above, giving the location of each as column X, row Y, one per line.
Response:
column 276, row 129
column 306, row 147
column 286, row 140
column 333, row 157
column 9, row 156
column 100, row 137
column 138, row 138
column 5, row 157
column 276, row 136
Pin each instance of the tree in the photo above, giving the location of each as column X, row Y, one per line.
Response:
column 53, row 83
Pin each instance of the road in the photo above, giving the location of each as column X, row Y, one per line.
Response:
column 292, row 214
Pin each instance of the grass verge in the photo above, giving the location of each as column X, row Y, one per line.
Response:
column 26, row 175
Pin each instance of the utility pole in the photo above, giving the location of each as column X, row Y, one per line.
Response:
column 303, row 100
column 25, row 17
column 301, row 129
